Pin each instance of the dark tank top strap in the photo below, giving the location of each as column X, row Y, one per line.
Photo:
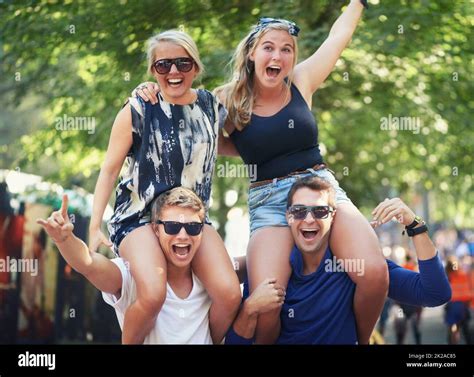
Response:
column 296, row 95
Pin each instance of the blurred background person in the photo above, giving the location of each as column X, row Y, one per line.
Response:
column 457, row 313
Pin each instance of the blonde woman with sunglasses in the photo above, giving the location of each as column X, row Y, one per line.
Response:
column 170, row 144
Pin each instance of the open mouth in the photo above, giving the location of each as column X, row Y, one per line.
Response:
column 181, row 250
column 309, row 234
column 273, row 70
column 174, row 82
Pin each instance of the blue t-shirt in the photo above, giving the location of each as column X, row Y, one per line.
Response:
column 318, row 308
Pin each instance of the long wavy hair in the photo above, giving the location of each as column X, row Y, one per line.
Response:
column 238, row 93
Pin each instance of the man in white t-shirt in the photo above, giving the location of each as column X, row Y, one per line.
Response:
column 177, row 219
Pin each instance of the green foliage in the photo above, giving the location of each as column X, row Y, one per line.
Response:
column 407, row 59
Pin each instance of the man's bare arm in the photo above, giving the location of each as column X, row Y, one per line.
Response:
column 97, row 268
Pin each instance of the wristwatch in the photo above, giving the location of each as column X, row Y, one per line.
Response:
column 418, row 219
column 364, row 3
column 412, row 231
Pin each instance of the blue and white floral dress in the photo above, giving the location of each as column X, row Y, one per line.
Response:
column 173, row 145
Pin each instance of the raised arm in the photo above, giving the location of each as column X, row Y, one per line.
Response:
column 98, row 269
column 312, row 72
column 119, row 145
column 429, row 287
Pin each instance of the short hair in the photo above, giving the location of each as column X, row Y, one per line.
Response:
column 180, row 197
column 315, row 184
column 179, row 38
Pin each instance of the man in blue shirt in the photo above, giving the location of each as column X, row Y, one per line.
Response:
column 317, row 307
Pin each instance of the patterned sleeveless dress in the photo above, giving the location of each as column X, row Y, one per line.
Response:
column 173, row 145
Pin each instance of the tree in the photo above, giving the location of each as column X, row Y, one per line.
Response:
column 409, row 60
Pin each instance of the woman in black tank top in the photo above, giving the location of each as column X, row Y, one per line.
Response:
column 269, row 91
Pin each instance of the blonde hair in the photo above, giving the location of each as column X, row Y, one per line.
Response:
column 238, row 93
column 180, row 197
column 179, row 38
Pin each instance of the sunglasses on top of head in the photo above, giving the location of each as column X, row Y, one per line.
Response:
column 299, row 212
column 174, row 227
column 163, row 66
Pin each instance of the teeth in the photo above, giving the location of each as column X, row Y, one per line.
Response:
column 181, row 250
column 174, row 81
column 274, row 67
column 309, row 233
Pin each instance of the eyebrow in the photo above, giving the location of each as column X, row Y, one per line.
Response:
column 285, row 45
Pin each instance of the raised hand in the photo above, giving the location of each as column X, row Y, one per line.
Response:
column 58, row 226
column 390, row 208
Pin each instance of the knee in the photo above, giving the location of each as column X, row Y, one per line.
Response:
column 151, row 300
column 228, row 294
column 233, row 298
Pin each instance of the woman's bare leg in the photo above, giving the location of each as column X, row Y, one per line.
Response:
column 352, row 237
column 214, row 268
column 268, row 256
column 148, row 267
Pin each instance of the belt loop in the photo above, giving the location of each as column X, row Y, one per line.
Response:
column 312, row 171
column 275, row 180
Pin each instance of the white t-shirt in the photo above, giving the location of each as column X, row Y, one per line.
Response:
column 180, row 321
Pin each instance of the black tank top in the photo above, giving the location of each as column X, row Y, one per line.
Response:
column 281, row 143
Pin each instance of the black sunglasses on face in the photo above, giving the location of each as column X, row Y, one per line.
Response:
column 299, row 212
column 174, row 227
column 163, row 66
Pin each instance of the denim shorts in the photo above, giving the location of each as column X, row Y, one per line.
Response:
column 267, row 203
